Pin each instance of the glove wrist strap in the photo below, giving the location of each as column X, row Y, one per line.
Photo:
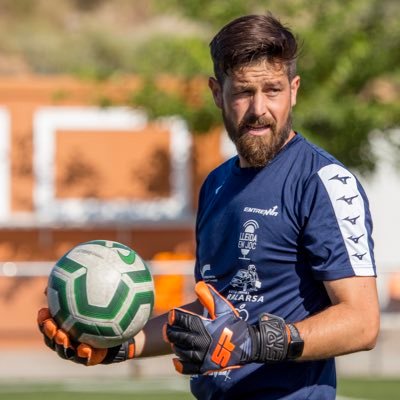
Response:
column 273, row 339
column 120, row 353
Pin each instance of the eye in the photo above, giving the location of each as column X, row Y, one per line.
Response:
column 241, row 95
column 241, row 92
column 274, row 91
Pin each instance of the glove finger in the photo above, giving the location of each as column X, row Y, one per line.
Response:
column 68, row 353
column 215, row 304
column 176, row 335
column 189, row 355
column 49, row 342
column 92, row 355
column 62, row 338
column 186, row 368
column 183, row 319
column 42, row 315
column 49, row 328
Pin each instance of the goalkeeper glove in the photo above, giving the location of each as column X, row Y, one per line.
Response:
column 81, row 353
column 225, row 341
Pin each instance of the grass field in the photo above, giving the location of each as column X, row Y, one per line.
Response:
column 364, row 389
column 370, row 389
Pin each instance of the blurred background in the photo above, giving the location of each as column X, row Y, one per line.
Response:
column 107, row 130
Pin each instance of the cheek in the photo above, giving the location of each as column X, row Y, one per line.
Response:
column 237, row 109
column 229, row 110
column 280, row 111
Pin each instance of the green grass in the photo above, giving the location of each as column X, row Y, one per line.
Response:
column 146, row 389
column 168, row 389
column 370, row 389
column 93, row 396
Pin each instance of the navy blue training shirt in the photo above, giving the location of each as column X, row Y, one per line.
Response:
column 267, row 238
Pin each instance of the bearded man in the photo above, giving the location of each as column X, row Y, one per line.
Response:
column 268, row 321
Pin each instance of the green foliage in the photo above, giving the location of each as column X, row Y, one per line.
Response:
column 200, row 117
column 346, row 49
column 216, row 13
column 180, row 56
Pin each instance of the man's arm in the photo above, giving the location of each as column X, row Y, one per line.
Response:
column 150, row 342
column 351, row 324
column 223, row 340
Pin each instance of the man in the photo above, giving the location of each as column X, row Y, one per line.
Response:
column 285, row 233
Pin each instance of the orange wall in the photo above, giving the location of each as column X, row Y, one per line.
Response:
column 111, row 165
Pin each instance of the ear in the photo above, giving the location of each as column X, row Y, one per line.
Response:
column 216, row 91
column 294, row 87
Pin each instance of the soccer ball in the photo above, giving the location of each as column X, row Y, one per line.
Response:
column 100, row 293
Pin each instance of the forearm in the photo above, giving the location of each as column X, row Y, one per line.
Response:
column 349, row 326
column 325, row 335
column 150, row 342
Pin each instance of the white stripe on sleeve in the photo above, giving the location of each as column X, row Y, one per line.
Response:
column 348, row 205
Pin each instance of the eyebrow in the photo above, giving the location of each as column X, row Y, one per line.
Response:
column 245, row 85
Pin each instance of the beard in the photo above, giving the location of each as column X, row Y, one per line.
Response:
column 258, row 151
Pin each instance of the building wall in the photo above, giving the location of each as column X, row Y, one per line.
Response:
column 73, row 171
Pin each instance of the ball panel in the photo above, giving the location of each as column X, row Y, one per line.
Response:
column 101, row 342
column 140, row 299
column 140, row 276
column 128, row 258
column 59, row 309
column 88, row 310
column 68, row 265
column 79, row 329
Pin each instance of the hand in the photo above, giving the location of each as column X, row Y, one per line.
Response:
column 224, row 341
column 81, row 353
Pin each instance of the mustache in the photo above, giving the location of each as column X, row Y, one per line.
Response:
column 256, row 122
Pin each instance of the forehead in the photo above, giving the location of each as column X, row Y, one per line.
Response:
column 254, row 72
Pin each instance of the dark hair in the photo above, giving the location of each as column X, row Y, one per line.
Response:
column 251, row 38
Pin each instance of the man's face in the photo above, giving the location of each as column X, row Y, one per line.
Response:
column 256, row 102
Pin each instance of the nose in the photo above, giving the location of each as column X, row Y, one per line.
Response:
column 258, row 105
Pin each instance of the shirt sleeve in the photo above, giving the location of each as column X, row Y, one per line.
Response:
column 337, row 225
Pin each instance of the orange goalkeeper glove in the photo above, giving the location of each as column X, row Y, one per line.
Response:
column 224, row 340
column 81, row 353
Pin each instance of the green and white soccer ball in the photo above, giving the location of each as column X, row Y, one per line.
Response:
column 101, row 293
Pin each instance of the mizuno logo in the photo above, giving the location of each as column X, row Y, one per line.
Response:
column 359, row 256
column 348, row 200
column 353, row 221
column 355, row 239
column 342, row 179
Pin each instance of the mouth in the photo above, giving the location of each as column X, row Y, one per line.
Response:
column 258, row 130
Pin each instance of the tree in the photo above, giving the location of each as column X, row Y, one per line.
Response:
column 349, row 65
